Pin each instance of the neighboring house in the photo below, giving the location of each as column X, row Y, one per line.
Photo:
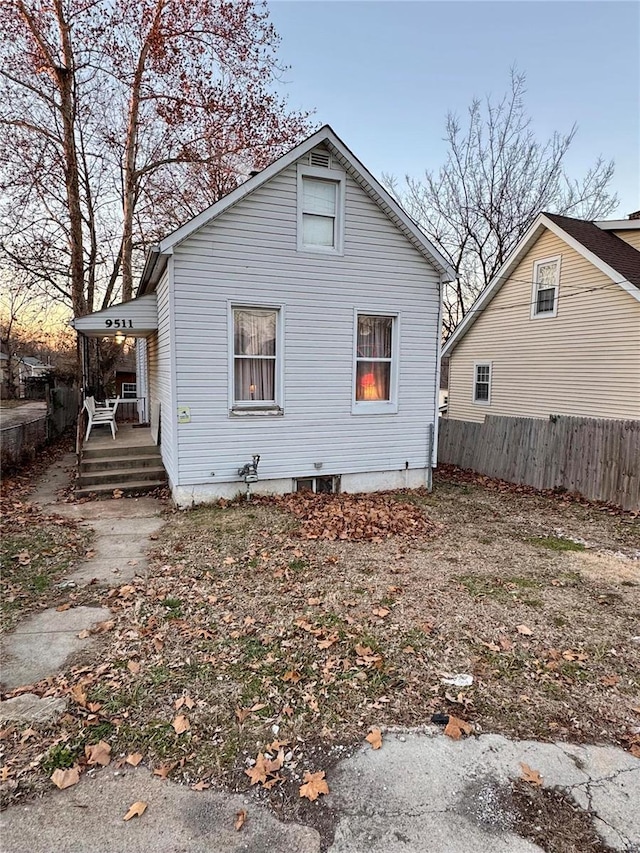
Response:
column 557, row 331
column 297, row 319
column 28, row 367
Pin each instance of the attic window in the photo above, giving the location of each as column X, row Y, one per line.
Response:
column 546, row 279
column 320, row 159
column 320, row 210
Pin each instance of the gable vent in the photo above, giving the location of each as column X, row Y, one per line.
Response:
column 319, row 158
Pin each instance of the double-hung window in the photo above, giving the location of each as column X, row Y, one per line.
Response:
column 320, row 206
column 375, row 363
column 546, row 278
column 129, row 391
column 482, row 383
column 255, row 358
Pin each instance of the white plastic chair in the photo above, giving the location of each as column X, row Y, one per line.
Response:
column 100, row 416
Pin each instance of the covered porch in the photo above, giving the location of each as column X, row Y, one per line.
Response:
column 130, row 462
column 136, row 319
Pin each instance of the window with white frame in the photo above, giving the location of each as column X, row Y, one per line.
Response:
column 482, row 383
column 546, row 277
column 129, row 391
column 375, row 361
column 320, row 203
column 255, row 357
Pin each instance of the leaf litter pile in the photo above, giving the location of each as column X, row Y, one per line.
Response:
column 271, row 635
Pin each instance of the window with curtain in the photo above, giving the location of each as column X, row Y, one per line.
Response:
column 319, row 211
column 374, row 358
column 254, row 355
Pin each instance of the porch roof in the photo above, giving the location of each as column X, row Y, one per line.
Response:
column 137, row 318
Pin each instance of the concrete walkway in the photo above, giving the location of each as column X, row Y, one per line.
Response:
column 45, row 643
column 420, row 793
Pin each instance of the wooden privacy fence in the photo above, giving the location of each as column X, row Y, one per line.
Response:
column 599, row 459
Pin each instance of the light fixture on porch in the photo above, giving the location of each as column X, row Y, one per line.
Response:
column 120, row 338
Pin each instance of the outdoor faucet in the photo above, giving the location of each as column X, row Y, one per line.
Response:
column 249, row 473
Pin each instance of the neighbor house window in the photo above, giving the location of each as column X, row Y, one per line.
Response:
column 546, row 277
column 129, row 391
column 375, row 361
column 255, row 354
column 482, row 383
column 320, row 202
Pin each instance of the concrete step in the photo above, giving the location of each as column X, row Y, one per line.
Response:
column 104, row 452
column 105, row 463
column 139, row 487
column 119, row 476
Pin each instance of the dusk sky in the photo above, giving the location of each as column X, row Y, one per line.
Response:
column 384, row 75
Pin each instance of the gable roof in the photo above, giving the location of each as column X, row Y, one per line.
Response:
column 157, row 255
column 611, row 249
column 610, row 254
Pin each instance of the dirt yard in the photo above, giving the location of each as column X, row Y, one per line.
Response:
column 262, row 644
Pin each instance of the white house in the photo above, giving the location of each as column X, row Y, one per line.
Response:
column 298, row 320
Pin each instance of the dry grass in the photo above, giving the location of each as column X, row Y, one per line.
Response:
column 308, row 642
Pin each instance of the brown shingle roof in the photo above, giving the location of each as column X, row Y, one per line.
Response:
column 606, row 245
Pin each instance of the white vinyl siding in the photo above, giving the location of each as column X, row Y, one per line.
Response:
column 248, row 256
column 586, row 362
column 161, row 387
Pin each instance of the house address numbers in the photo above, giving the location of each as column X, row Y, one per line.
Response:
column 119, row 324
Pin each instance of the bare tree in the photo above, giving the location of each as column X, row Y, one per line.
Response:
column 496, row 179
column 107, row 103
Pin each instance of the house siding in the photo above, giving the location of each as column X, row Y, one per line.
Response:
column 161, row 384
column 248, row 256
column 631, row 236
column 584, row 362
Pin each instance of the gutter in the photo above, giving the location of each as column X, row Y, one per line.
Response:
column 154, row 266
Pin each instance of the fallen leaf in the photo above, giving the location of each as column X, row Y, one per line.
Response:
column 529, row 775
column 63, row 607
column 523, row 629
column 134, row 667
column 314, row 785
column 28, row 733
column 241, row 817
column 201, row 786
column 99, row 753
column 117, row 493
column 374, row 738
column 635, row 749
column 242, row 714
column 134, row 758
column 65, row 778
column 382, row 612
column 84, row 634
column 184, row 700
column 292, row 675
column 610, row 680
column 181, row 724
column 78, row 695
column 164, row 769
column 136, row 810
column 257, row 773
column 456, row 727
column 228, row 561
column 24, row 558
column 312, row 602
column 4, row 774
